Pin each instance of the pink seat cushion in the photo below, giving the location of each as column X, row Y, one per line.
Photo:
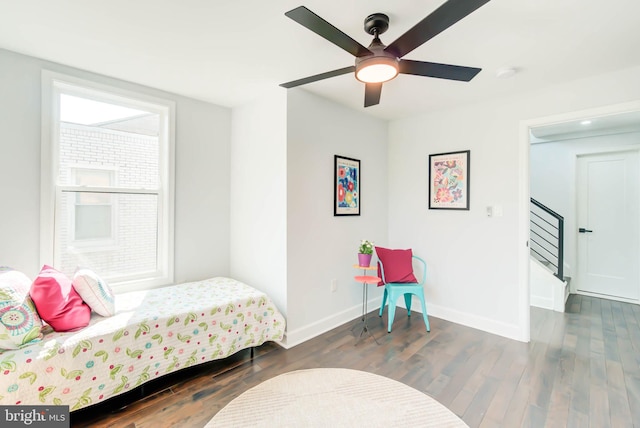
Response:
column 398, row 266
column 57, row 302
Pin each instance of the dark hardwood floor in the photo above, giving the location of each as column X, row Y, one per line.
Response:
column 581, row 369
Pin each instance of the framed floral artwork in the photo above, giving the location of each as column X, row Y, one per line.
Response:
column 346, row 186
column 449, row 181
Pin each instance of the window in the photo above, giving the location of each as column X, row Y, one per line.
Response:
column 107, row 192
column 93, row 213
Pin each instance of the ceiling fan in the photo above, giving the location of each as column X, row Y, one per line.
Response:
column 379, row 63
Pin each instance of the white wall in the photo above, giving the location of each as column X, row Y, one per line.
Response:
column 203, row 177
column 288, row 145
column 202, row 171
column 475, row 272
column 553, row 178
column 19, row 162
column 284, row 237
column 259, row 196
column 322, row 247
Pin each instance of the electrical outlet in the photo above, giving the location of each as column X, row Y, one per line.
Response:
column 334, row 285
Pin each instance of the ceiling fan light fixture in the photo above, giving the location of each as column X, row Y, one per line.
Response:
column 377, row 69
column 379, row 63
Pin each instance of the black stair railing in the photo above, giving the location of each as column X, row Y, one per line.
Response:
column 547, row 237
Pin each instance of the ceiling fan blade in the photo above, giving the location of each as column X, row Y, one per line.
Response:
column 320, row 76
column 372, row 93
column 439, row 20
column 442, row 71
column 313, row 22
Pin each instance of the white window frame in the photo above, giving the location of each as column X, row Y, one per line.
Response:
column 53, row 84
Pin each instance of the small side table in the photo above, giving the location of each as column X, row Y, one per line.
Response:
column 365, row 280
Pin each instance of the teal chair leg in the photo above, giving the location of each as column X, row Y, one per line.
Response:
column 391, row 296
column 384, row 301
column 407, row 303
column 424, row 312
column 391, row 312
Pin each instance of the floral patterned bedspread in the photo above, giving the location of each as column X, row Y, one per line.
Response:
column 153, row 332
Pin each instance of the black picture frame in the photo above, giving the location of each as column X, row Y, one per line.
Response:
column 449, row 180
column 347, row 186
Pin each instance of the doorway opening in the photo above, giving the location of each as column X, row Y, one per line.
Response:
column 550, row 149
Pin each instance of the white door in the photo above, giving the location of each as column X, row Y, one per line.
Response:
column 608, row 214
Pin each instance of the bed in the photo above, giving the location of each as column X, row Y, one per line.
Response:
column 153, row 333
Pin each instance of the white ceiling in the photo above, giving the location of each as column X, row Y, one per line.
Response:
column 588, row 127
column 230, row 52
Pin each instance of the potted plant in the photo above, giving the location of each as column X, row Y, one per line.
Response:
column 365, row 251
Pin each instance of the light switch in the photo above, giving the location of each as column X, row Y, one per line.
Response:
column 489, row 211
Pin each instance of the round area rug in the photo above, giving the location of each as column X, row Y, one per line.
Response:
column 333, row 398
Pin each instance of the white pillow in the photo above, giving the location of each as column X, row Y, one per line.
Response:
column 94, row 291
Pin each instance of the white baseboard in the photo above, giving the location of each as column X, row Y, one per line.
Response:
column 300, row 335
column 510, row 331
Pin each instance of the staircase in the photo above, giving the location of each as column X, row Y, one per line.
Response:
column 549, row 286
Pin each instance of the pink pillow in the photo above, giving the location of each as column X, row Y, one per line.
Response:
column 398, row 266
column 57, row 302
